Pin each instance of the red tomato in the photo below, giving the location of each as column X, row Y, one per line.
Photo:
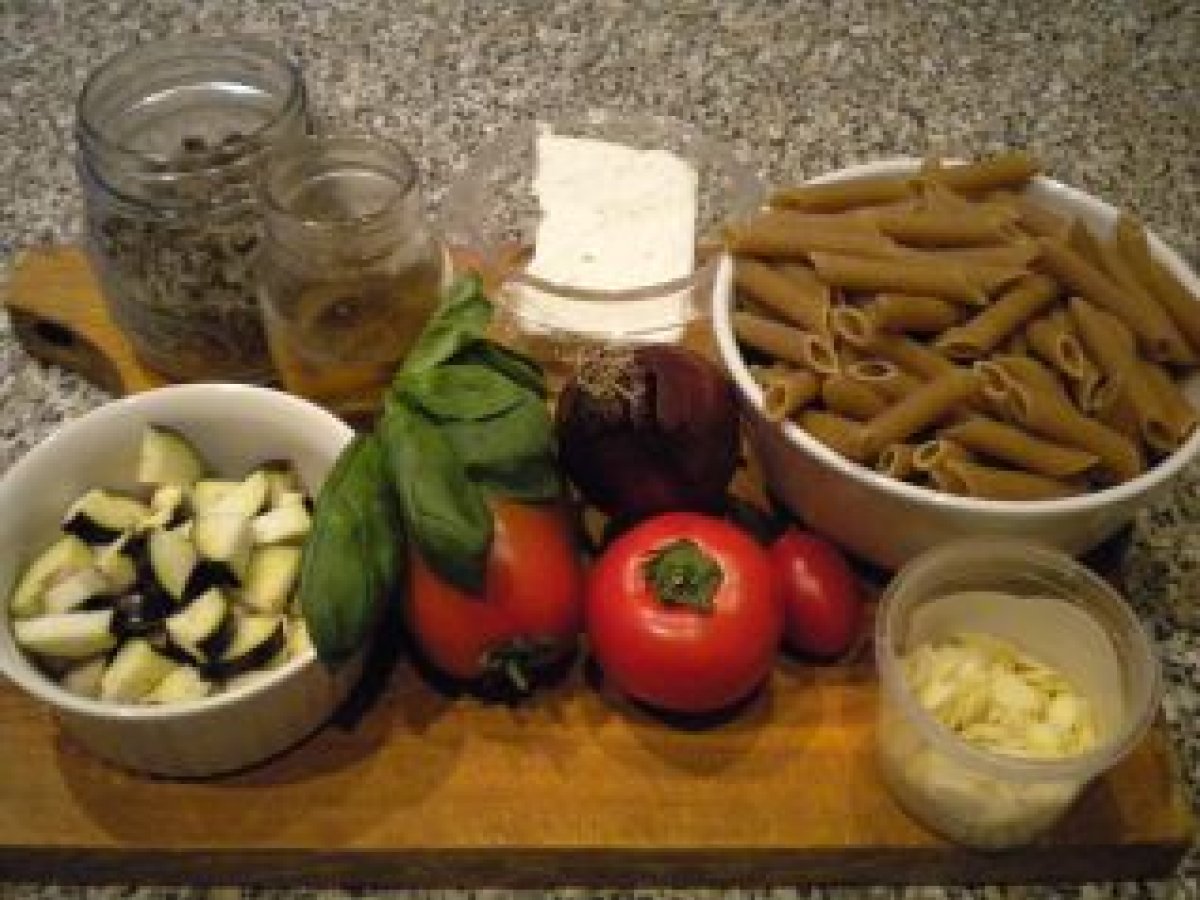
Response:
column 822, row 598
column 683, row 613
column 531, row 611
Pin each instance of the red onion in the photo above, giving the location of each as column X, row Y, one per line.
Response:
column 648, row 429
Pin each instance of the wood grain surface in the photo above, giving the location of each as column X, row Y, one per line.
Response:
column 411, row 785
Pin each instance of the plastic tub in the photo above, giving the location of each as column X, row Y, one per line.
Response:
column 1060, row 613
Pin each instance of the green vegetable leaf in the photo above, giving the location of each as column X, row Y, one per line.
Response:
column 445, row 512
column 462, row 319
column 511, row 454
column 350, row 558
column 462, row 391
column 517, row 367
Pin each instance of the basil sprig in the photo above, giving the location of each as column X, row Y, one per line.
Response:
column 463, row 420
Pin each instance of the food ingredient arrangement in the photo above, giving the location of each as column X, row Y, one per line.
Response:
column 937, row 327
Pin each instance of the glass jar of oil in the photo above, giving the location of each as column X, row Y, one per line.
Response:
column 349, row 271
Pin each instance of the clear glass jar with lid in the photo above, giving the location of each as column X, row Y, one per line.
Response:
column 349, row 271
column 171, row 137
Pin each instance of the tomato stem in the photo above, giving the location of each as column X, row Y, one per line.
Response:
column 682, row 574
column 516, row 661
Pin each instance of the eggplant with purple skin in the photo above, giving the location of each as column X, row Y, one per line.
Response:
column 648, row 429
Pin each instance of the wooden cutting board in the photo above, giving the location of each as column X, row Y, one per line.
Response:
column 414, row 787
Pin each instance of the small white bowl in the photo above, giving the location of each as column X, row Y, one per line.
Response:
column 234, row 427
column 889, row 522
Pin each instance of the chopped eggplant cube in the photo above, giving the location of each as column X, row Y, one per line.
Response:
column 208, row 574
column 100, row 517
column 172, row 559
column 140, row 613
column 74, row 635
column 166, row 458
column 181, row 684
column 224, row 537
column 83, row 679
column 204, row 627
column 206, row 494
column 135, row 670
column 256, row 640
column 271, row 577
column 283, row 523
column 76, row 590
column 66, row 555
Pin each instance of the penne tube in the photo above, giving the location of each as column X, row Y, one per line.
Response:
column 905, row 313
column 929, row 455
column 1154, row 330
column 883, row 376
column 911, row 355
column 974, row 225
column 806, row 279
column 1130, row 239
column 930, row 403
column 783, row 295
column 786, row 392
column 834, row 196
column 835, row 432
column 1084, row 243
column 896, row 461
column 1052, row 417
column 774, row 239
column 1121, row 417
column 1037, row 221
column 921, row 276
column 974, row 479
column 851, row 397
column 980, row 335
column 1055, row 343
column 1027, row 370
column 853, row 325
column 1179, row 417
column 1006, row 170
column 1017, row 447
column 1107, row 340
column 783, row 342
column 1017, row 253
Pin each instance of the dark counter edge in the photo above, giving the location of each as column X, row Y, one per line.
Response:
column 549, row 868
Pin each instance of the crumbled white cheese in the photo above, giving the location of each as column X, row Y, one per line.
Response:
column 613, row 217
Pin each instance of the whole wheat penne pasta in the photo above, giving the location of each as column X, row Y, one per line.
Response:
column 1055, row 418
column 786, row 392
column 851, row 397
column 1053, row 340
column 1154, row 425
column 1081, row 240
column 1017, row 253
column 930, row 403
column 1156, row 333
column 1121, row 417
column 1006, row 170
column 1179, row 416
column 806, row 279
column 836, row 432
column 778, row 234
column 911, row 356
column 1038, row 221
column 1183, row 309
column 783, row 342
column 852, row 324
column 783, row 295
column 1016, row 344
column 981, row 334
column 1107, row 339
column 832, row 196
column 934, row 228
column 1027, row 370
column 929, row 455
column 896, row 461
column 900, row 275
column 1019, row 448
column 883, row 376
column 974, row 479
column 914, row 315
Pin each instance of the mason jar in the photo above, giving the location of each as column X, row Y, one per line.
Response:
column 171, row 137
column 349, row 271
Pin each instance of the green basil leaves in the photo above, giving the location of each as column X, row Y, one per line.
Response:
column 464, row 419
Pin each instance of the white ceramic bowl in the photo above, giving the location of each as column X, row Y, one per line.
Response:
column 889, row 522
column 234, row 427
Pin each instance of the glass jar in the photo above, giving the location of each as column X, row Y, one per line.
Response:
column 349, row 271
column 170, row 138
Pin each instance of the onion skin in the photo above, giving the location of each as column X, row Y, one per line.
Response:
column 669, row 445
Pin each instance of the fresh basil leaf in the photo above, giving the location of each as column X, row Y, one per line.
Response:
column 515, row 366
column 341, row 581
column 511, row 454
column 462, row 391
column 462, row 318
column 445, row 512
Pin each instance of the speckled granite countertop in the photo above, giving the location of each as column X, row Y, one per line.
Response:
column 1106, row 92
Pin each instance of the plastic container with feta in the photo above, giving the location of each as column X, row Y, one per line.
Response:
column 1011, row 676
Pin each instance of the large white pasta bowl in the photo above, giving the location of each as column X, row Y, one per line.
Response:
column 888, row 522
column 234, row 427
